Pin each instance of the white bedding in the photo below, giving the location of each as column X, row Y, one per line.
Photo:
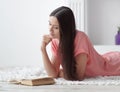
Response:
column 12, row 73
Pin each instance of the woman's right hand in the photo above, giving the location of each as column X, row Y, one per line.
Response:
column 45, row 40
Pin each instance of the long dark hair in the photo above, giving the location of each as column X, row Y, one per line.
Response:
column 67, row 26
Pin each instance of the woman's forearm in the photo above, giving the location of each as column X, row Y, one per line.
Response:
column 49, row 67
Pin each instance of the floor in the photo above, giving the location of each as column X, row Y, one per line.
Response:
column 6, row 87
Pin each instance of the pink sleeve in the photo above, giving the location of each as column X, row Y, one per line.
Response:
column 81, row 44
column 54, row 47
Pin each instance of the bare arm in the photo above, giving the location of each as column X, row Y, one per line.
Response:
column 51, row 66
column 81, row 61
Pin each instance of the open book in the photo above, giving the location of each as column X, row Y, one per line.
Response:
column 35, row 82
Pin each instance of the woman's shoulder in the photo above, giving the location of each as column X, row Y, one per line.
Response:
column 80, row 34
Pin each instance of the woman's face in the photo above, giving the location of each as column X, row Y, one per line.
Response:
column 54, row 27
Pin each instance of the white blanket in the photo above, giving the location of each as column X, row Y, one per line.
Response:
column 14, row 73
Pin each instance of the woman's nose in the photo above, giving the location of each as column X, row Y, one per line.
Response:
column 51, row 28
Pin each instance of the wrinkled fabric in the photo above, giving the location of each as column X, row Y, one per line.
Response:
column 97, row 64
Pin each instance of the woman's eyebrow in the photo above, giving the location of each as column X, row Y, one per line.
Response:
column 53, row 24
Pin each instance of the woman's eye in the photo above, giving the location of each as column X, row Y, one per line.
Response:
column 56, row 27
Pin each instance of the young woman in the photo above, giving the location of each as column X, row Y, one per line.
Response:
column 73, row 50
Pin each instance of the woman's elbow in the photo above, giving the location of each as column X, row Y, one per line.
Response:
column 81, row 77
column 54, row 75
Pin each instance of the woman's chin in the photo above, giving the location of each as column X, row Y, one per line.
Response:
column 53, row 37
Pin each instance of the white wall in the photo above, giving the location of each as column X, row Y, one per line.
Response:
column 102, row 20
column 22, row 24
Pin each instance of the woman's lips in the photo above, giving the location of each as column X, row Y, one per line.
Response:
column 51, row 34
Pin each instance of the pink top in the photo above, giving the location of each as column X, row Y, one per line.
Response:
column 97, row 65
